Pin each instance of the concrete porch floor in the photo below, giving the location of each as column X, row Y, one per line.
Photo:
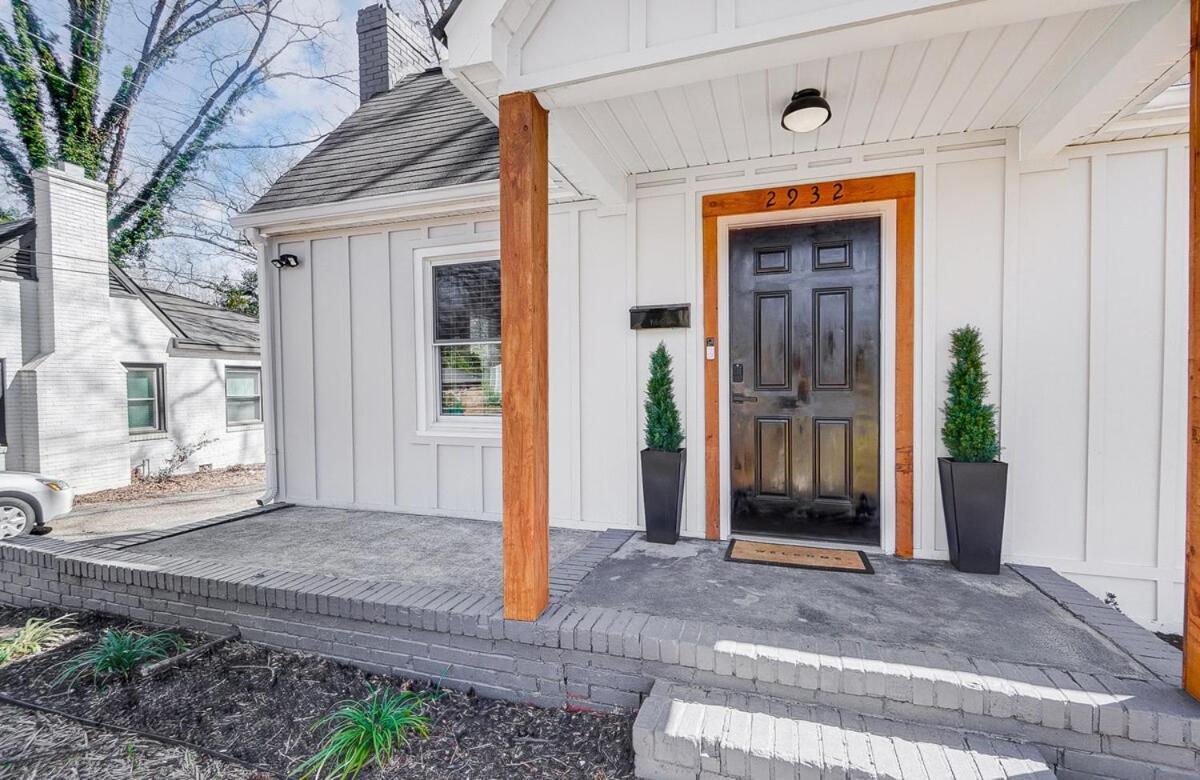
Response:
column 911, row 604
column 920, row 604
column 440, row 552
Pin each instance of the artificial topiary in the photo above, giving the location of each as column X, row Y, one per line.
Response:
column 663, row 430
column 969, row 431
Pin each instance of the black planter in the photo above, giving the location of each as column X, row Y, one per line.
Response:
column 973, row 499
column 662, row 493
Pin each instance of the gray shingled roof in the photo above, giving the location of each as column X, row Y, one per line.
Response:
column 419, row 135
column 204, row 324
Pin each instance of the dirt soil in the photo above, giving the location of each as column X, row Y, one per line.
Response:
column 261, row 705
column 197, row 482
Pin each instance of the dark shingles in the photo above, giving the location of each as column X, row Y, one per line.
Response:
column 421, row 134
column 206, row 324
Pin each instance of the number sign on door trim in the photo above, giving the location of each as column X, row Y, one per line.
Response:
column 902, row 189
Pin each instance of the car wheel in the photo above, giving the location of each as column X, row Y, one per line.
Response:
column 16, row 517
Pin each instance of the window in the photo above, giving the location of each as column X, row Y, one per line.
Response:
column 144, row 398
column 243, row 396
column 466, row 338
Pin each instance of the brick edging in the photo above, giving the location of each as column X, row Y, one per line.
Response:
column 613, row 655
column 153, row 536
column 1156, row 656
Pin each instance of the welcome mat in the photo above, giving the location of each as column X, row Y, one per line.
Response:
column 798, row 557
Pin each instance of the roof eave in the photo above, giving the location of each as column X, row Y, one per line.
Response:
column 198, row 348
column 398, row 207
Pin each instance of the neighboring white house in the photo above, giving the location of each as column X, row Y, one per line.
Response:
column 1039, row 148
column 100, row 377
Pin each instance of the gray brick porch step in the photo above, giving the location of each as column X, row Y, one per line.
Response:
column 686, row 732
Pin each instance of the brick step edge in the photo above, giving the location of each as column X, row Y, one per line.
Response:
column 684, row 732
column 1101, row 705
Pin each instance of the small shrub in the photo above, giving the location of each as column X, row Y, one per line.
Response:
column 179, row 458
column 969, row 430
column 663, row 429
column 118, row 654
column 36, row 635
column 366, row 731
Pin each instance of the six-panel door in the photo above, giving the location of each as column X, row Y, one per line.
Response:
column 804, row 380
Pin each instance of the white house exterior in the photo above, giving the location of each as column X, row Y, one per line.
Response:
column 1047, row 149
column 99, row 377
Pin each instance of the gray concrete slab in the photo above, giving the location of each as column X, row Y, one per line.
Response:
column 437, row 552
column 925, row 605
column 96, row 522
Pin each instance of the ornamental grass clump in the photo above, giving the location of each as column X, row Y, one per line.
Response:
column 118, row 653
column 663, row 429
column 36, row 635
column 969, row 430
column 365, row 732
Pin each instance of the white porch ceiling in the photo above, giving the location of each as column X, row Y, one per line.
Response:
column 983, row 79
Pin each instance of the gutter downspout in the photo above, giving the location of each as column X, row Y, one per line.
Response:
column 266, row 335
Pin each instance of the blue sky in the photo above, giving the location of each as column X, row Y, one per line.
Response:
column 285, row 111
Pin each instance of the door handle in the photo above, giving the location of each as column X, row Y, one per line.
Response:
column 739, row 398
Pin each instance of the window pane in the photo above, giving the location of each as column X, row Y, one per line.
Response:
column 142, row 414
column 241, row 384
column 466, row 301
column 140, row 382
column 470, row 379
column 242, row 410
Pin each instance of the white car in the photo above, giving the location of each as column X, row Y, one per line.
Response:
column 29, row 501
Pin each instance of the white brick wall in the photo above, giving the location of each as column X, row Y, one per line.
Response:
column 79, row 418
column 195, row 395
column 66, row 398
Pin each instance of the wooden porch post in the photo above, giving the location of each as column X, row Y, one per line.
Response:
column 524, row 179
column 1191, row 617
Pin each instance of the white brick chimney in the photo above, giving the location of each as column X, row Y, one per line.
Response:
column 74, row 424
column 389, row 47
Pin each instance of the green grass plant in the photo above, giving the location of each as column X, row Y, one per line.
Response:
column 366, row 731
column 117, row 653
column 36, row 635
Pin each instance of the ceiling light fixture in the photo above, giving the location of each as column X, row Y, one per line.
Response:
column 807, row 111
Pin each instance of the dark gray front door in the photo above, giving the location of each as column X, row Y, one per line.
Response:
column 804, row 380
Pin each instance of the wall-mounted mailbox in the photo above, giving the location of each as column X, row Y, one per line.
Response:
column 671, row 316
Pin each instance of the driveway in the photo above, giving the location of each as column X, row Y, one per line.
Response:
column 96, row 521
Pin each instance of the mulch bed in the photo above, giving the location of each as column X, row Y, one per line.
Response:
column 196, row 482
column 259, row 705
column 36, row 744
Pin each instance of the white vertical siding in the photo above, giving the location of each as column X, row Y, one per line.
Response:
column 1074, row 272
column 1097, row 445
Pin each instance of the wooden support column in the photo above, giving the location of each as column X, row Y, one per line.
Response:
column 524, row 204
column 1191, row 608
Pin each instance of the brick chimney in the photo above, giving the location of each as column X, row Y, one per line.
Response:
column 389, row 47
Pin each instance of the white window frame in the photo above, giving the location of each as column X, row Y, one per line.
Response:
column 160, row 398
column 230, row 424
column 430, row 420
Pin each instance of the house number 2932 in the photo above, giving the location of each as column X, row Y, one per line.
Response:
column 808, row 195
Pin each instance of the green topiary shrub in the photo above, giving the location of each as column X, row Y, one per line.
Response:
column 969, row 431
column 663, row 430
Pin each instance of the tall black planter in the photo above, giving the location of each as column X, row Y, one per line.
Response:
column 973, row 497
column 662, row 493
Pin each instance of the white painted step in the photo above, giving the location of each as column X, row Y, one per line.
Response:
column 683, row 732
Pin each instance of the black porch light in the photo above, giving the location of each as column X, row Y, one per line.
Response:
column 807, row 111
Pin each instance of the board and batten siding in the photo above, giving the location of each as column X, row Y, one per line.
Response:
column 1075, row 271
column 350, row 433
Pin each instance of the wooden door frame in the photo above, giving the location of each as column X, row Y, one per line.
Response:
column 899, row 188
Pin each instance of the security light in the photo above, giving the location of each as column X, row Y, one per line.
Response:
column 807, row 111
column 286, row 261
